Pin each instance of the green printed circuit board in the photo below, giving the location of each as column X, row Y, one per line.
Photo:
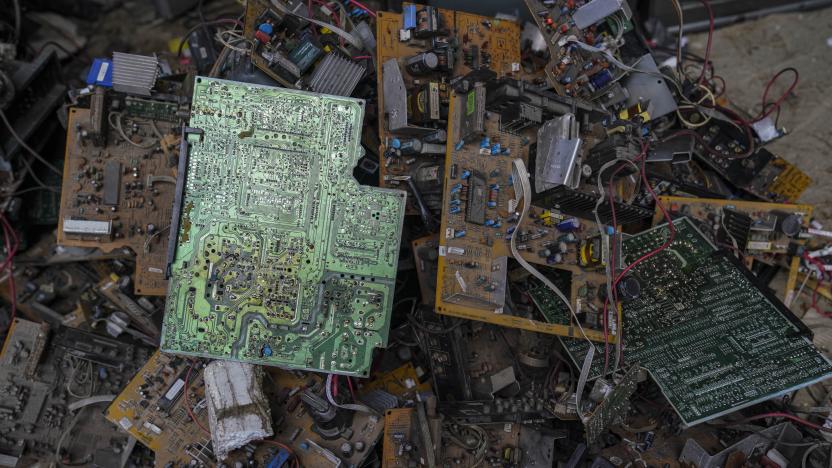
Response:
column 711, row 339
column 281, row 257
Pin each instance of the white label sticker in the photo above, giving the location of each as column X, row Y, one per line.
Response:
column 449, row 233
column 174, row 389
column 759, row 245
column 125, row 424
column 461, row 281
column 102, row 72
column 456, row 251
column 442, row 251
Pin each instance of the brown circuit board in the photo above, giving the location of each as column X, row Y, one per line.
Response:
column 117, row 195
column 758, row 230
column 479, row 210
column 569, row 69
column 403, row 445
column 152, row 409
column 482, row 42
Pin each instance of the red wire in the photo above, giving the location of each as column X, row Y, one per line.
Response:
column 371, row 12
column 352, row 390
column 659, row 205
column 11, row 243
column 778, row 414
column 612, row 264
column 188, row 403
column 706, row 64
column 766, row 112
column 668, row 242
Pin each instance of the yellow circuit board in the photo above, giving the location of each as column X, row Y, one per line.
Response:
column 759, row 230
column 497, row 41
column 479, row 204
column 152, row 409
column 397, row 424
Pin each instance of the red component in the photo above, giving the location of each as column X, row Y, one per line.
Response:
column 564, row 27
column 262, row 37
column 590, row 38
column 549, row 21
column 570, row 4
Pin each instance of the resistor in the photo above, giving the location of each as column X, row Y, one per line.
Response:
column 456, row 188
column 495, row 148
column 493, row 196
column 465, row 174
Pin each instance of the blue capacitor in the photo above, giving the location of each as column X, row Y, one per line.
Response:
column 569, row 225
column 601, row 79
column 454, row 210
column 459, row 145
column 610, row 230
column 395, row 143
column 554, row 259
column 511, row 229
column 456, row 188
column 492, row 204
column 455, row 202
column 465, row 174
column 409, row 16
column 494, row 187
column 566, row 80
column 266, row 28
column 506, row 150
column 495, row 148
column 497, row 224
column 489, row 222
column 510, row 180
column 485, row 143
column 267, row 350
column 459, row 233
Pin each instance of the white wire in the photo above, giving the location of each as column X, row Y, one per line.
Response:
column 521, row 175
column 609, row 268
column 349, row 406
column 349, row 37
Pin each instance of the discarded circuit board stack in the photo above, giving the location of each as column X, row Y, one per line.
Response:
column 357, row 233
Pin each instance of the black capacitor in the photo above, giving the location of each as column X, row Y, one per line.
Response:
column 453, row 171
column 437, row 136
column 790, row 225
column 411, row 146
column 629, row 288
column 421, row 64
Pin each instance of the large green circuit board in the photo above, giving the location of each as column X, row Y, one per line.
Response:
column 281, row 257
column 712, row 340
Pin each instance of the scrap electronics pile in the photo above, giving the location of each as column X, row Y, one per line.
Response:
column 320, row 234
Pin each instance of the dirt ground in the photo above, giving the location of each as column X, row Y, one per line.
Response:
column 748, row 54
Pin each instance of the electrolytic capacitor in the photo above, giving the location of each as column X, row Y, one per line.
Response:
column 569, row 225
column 421, row 64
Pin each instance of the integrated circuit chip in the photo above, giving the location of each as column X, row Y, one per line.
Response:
column 281, row 257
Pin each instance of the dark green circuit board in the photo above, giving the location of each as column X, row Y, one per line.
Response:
column 712, row 340
column 281, row 257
